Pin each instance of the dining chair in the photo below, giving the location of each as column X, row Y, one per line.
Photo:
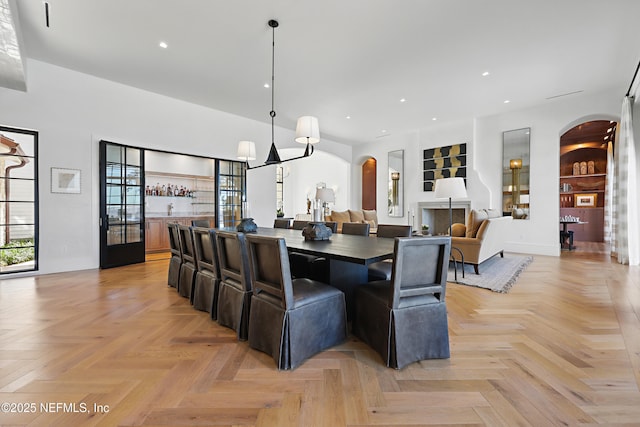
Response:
column 405, row 319
column 175, row 263
column 381, row 270
column 290, row 319
column 281, row 223
column 189, row 266
column 299, row 224
column 200, row 223
column 356, row 228
column 207, row 284
column 234, row 294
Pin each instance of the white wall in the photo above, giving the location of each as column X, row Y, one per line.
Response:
column 73, row 111
column 538, row 235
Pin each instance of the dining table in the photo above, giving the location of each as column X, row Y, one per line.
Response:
column 348, row 256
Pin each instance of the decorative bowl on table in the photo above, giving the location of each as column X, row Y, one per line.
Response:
column 316, row 231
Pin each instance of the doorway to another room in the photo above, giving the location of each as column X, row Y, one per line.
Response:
column 586, row 159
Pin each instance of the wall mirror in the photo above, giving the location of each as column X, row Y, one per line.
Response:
column 515, row 173
column 396, row 188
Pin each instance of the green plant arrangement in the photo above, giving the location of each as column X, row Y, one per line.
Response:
column 280, row 213
column 17, row 252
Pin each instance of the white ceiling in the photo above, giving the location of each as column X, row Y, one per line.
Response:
column 338, row 58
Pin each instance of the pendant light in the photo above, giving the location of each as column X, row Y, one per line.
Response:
column 307, row 130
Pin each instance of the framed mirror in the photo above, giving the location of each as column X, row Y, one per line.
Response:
column 395, row 198
column 515, row 173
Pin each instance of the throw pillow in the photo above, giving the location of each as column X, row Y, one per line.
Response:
column 371, row 215
column 340, row 217
column 458, row 230
column 476, row 217
column 356, row 216
column 494, row 213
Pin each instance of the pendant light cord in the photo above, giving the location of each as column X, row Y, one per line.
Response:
column 272, row 113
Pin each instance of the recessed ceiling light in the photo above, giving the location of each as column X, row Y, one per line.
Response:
column 384, row 131
column 348, row 117
column 266, row 85
column 163, row 45
column 485, row 74
column 507, row 101
column 403, row 100
column 434, row 118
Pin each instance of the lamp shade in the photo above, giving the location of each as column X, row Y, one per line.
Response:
column 326, row 195
column 307, row 130
column 450, row 188
column 246, row 150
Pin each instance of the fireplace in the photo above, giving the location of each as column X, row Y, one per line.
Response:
column 436, row 214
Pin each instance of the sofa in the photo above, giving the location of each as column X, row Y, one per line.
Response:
column 481, row 238
column 350, row 215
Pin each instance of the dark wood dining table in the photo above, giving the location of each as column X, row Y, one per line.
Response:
column 348, row 256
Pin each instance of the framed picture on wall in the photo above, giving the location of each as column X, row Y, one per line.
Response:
column 443, row 162
column 586, row 200
column 65, row 181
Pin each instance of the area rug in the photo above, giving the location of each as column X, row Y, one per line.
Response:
column 496, row 274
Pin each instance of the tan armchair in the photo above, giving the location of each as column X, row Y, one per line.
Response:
column 482, row 237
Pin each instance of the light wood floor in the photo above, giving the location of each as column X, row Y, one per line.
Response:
column 562, row 348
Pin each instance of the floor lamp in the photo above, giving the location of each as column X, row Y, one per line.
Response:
column 450, row 188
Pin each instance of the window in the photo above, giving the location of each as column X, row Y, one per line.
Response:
column 18, row 200
column 279, row 189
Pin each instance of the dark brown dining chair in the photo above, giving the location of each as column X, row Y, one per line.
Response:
column 281, row 223
column 290, row 319
column 234, row 295
column 200, row 223
column 299, row 224
column 175, row 263
column 189, row 266
column 382, row 270
column 356, row 228
column 405, row 319
column 207, row 284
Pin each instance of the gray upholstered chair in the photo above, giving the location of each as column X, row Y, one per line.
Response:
column 189, row 266
column 281, row 223
column 290, row 319
column 356, row 228
column 234, row 295
column 200, row 223
column 299, row 224
column 405, row 319
column 382, row 270
column 205, row 289
column 176, row 256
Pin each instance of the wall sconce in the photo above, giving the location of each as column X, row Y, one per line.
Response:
column 515, row 165
column 395, row 177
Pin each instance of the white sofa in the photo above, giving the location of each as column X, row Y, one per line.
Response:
column 482, row 237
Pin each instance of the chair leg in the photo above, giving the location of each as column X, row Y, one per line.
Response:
column 475, row 268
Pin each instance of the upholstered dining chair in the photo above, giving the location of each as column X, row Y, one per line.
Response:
column 205, row 289
column 189, row 266
column 281, row 223
column 290, row 319
column 299, row 224
column 405, row 319
column 356, row 228
column 382, row 270
column 175, row 263
column 234, row 295
column 200, row 223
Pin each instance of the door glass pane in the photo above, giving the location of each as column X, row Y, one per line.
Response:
column 133, row 157
column 133, row 233
column 114, row 154
column 115, row 235
column 18, row 200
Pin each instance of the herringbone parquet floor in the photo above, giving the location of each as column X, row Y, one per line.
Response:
column 118, row 347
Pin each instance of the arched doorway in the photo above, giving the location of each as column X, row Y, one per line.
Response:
column 585, row 158
column 369, row 174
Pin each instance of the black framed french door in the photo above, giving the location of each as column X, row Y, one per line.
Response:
column 121, row 205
